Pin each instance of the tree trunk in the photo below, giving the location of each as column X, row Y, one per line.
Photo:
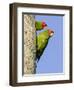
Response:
column 29, row 44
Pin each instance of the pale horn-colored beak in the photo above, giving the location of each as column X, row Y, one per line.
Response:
column 51, row 33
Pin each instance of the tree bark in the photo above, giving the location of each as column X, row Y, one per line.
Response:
column 29, row 44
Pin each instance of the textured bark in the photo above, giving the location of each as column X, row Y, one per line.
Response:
column 29, row 44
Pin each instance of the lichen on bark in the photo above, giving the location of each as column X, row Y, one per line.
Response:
column 29, row 44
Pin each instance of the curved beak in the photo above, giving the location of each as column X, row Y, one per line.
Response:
column 51, row 33
column 45, row 24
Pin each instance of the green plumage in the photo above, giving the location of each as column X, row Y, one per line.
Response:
column 42, row 41
column 38, row 25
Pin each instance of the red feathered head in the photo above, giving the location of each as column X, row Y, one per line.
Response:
column 44, row 24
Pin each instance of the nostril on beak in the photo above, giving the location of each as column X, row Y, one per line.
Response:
column 52, row 31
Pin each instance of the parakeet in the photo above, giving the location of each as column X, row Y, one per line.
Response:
column 40, row 25
column 42, row 41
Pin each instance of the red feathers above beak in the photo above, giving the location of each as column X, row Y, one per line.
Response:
column 44, row 24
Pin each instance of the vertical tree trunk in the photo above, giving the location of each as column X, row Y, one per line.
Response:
column 29, row 44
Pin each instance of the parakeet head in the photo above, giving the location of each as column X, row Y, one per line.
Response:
column 44, row 24
column 50, row 32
